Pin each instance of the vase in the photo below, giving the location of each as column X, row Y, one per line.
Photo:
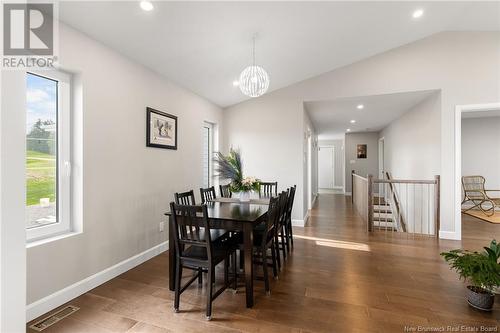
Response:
column 245, row 196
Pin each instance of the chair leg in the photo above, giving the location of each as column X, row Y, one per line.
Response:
column 242, row 260
column 290, row 228
column 178, row 277
column 273, row 256
column 210, row 287
column 283, row 245
column 277, row 249
column 235, row 271
column 200, row 277
column 287, row 237
column 264, row 268
column 226, row 271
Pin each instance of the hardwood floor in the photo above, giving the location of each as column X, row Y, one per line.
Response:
column 338, row 279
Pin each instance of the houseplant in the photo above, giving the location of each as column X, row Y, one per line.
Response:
column 482, row 270
column 230, row 168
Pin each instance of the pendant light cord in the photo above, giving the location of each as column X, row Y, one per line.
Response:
column 253, row 51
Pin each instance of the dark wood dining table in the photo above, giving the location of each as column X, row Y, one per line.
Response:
column 232, row 215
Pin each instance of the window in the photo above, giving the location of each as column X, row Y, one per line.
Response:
column 208, row 139
column 48, row 162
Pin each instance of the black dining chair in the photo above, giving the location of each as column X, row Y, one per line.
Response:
column 207, row 194
column 288, row 219
column 225, row 192
column 280, row 234
column 195, row 250
column 185, row 198
column 268, row 189
column 264, row 243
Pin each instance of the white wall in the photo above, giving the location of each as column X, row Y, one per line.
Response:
column 465, row 66
column 12, row 198
column 338, row 160
column 362, row 166
column 412, row 143
column 481, row 149
column 126, row 186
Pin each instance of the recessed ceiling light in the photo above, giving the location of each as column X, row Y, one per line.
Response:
column 360, row 106
column 236, row 83
column 418, row 13
column 353, row 121
column 348, row 130
column 147, row 5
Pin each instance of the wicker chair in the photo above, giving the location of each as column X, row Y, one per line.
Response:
column 474, row 191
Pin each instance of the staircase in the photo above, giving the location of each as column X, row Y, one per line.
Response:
column 383, row 218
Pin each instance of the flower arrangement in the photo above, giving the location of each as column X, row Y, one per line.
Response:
column 230, row 167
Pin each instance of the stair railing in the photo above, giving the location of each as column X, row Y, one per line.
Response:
column 416, row 204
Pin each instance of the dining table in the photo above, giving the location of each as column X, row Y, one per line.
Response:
column 229, row 214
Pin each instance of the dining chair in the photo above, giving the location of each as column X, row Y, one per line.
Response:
column 277, row 225
column 268, row 188
column 288, row 218
column 207, row 194
column 196, row 251
column 282, row 241
column 185, row 198
column 264, row 242
column 225, row 192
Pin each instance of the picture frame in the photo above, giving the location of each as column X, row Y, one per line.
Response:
column 361, row 151
column 161, row 129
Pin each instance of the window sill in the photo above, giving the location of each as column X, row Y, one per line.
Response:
column 34, row 243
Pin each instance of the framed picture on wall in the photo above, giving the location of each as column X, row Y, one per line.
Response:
column 161, row 129
column 361, row 151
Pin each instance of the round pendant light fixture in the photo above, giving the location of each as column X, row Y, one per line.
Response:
column 254, row 80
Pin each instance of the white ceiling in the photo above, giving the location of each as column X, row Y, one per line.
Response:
column 332, row 118
column 203, row 46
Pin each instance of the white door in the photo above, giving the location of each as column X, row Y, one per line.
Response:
column 325, row 167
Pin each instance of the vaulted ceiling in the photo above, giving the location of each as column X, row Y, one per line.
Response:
column 203, row 46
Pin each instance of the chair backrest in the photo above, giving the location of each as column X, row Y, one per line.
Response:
column 271, row 222
column 191, row 228
column 185, row 198
column 225, row 192
column 281, row 210
column 291, row 197
column 473, row 187
column 269, row 188
column 207, row 194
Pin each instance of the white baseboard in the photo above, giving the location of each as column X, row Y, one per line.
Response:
column 449, row 235
column 300, row 223
column 62, row 296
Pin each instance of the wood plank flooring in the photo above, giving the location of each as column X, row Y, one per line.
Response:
column 338, row 279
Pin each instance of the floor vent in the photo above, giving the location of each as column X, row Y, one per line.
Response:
column 54, row 318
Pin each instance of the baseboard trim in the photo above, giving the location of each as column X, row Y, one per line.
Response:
column 62, row 296
column 452, row 235
column 300, row 223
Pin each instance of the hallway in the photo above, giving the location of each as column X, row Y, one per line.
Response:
column 338, row 279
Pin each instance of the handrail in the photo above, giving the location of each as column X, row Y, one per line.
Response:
column 399, row 214
column 403, row 181
column 396, row 201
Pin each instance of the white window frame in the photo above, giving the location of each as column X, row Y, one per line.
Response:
column 211, row 141
column 63, row 224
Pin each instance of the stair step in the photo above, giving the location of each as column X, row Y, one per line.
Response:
column 383, row 224
column 383, row 219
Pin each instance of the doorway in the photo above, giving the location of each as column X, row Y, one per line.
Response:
column 326, row 167
column 461, row 113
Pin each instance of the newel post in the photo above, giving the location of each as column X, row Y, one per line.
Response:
column 352, row 186
column 437, row 204
column 370, row 202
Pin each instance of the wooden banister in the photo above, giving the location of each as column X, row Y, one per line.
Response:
column 396, row 200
